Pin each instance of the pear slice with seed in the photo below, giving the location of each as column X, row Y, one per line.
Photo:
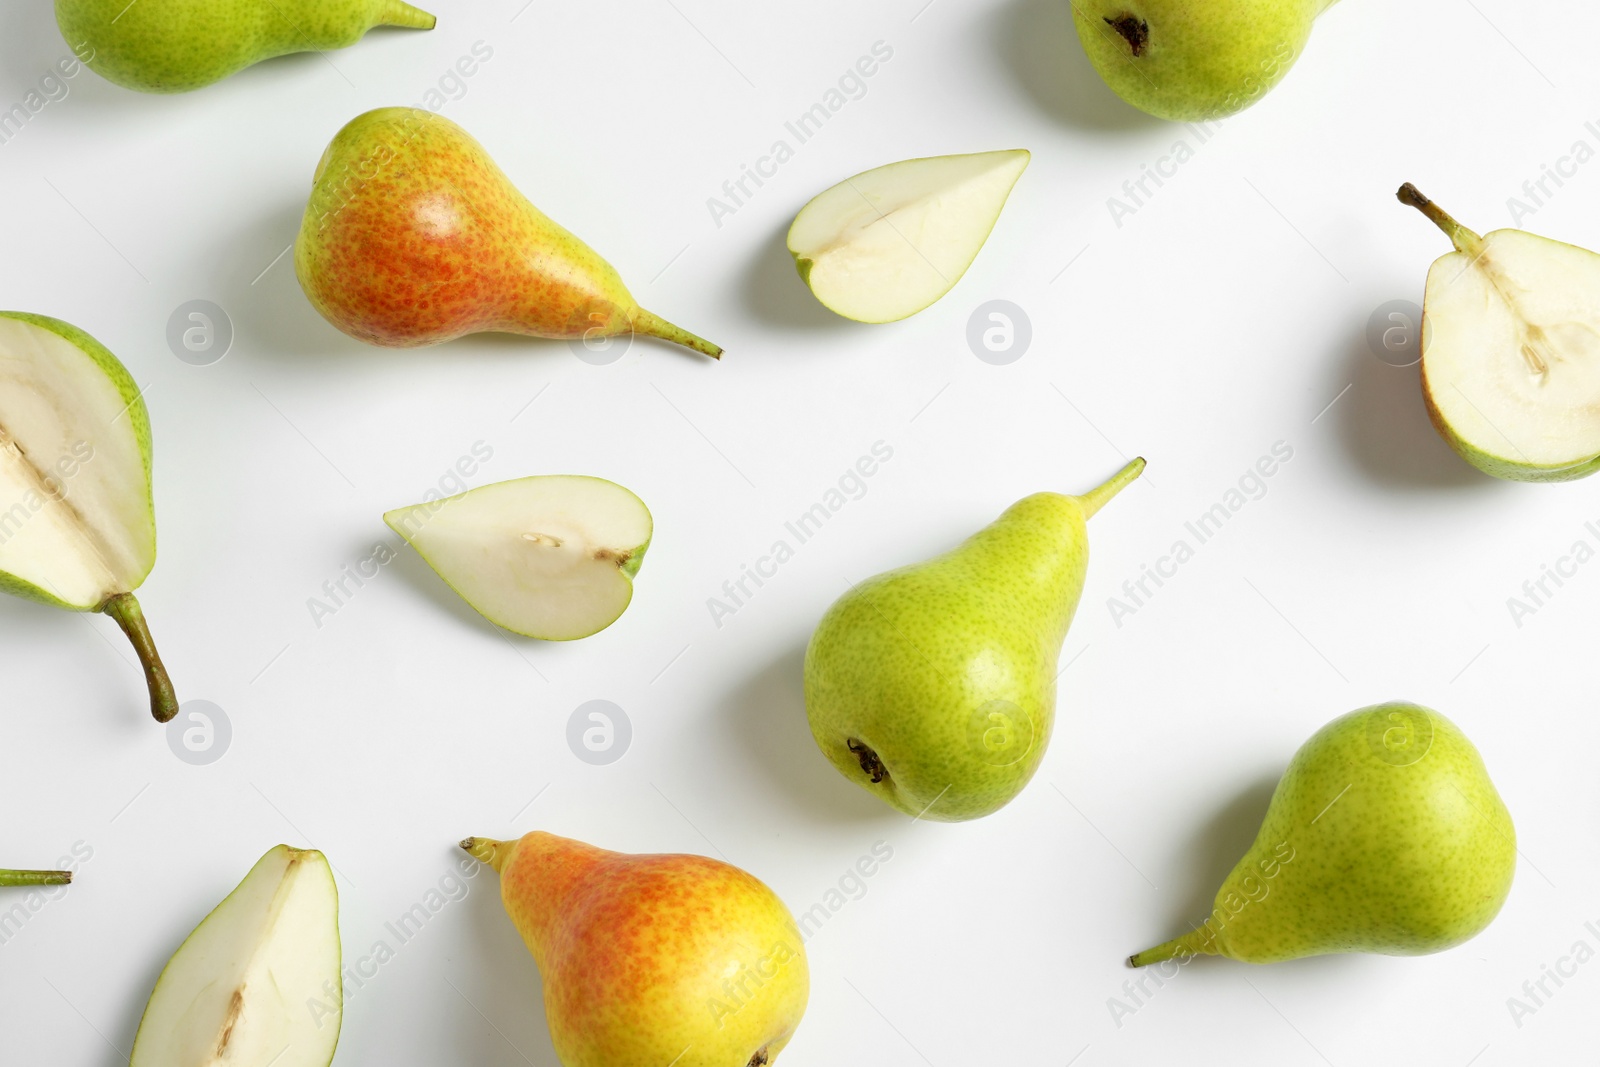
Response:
column 552, row 556
column 1511, row 350
column 257, row 983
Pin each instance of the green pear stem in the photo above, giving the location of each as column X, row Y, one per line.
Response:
column 1464, row 239
column 487, row 850
column 400, row 13
column 652, row 325
column 125, row 609
column 9, row 878
column 1095, row 499
column 1193, row 943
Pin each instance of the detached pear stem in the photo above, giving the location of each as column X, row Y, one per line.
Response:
column 1095, row 499
column 652, row 325
column 10, row 878
column 1464, row 239
column 125, row 609
column 400, row 13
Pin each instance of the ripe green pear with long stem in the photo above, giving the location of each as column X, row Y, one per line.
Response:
column 1511, row 350
column 173, row 46
column 77, row 522
column 413, row 236
column 1384, row 835
column 1194, row 60
column 934, row 686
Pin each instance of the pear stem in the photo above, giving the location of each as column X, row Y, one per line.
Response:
column 487, row 850
column 652, row 325
column 1464, row 239
column 10, row 878
column 125, row 609
column 1095, row 499
column 1193, row 943
column 400, row 13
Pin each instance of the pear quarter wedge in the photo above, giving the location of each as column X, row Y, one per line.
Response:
column 889, row 242
column 257, row 983
column 1511, row 350
column 77, row 525
column 552, row 556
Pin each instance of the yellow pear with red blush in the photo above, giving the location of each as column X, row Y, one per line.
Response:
column 649, row 960
column 414, row 236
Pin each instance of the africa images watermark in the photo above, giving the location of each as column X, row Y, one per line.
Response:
column 338, row 591
column 1537, row 592
column 851, row 485
column 1536, row 992
column 52, row 486
column 30, row 903
column 52, row 88
column 1251, row 486
column 851, row 85
column 1538, row 192
column 452, row 887
column 1256, row 890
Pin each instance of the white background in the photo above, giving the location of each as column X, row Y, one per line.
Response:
column 1224, row 316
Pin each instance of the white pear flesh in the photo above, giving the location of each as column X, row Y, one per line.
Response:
column 1511, row 352
column 891, row 241
column 551, row 557
column 240, row 991
column 75, row 516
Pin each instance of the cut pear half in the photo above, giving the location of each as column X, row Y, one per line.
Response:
column 890, row 241
column 552, row 556
column 257, row 983
column 77, row 526
column 1511, row 350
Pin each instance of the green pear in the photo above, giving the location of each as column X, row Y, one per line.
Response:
column 1510, row 339
column 257, row 983
column 172, row 46
column 413, row 236
column 890, row 241
column 1384, row 835
column 552, row 556
column 1194, row 60
column 933, row 686
column 77, row 523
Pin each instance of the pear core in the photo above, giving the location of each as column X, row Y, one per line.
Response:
column 1511, row 350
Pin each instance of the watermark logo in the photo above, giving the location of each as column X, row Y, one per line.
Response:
column 200, row 733
column 999, row 332
column 199, row 332
column 599, row 732
column 591, row 341
column 1401, row 736
column 1001, row 733
column 1397, row 333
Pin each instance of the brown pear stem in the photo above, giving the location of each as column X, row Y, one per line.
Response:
column 1097, row 498
column 1464, row 239
column 400, row 13
column 487, row 850
column 652, row 325
column 10, row 878
column 125, row 609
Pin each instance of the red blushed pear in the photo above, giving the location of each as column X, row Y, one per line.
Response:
column 413, row 236
column 652, row 960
